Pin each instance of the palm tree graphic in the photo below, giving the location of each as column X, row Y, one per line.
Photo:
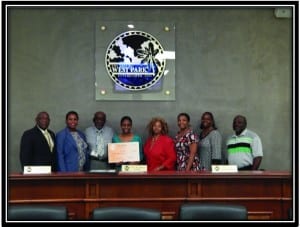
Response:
column 148, row 56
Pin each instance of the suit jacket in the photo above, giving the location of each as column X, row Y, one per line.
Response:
column 35, row 149
column 67, row 151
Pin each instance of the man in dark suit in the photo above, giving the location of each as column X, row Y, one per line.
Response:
column 38, row 144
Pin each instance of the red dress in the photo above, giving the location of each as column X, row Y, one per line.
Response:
column 161, row 153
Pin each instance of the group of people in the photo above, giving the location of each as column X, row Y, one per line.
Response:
column 71, row 150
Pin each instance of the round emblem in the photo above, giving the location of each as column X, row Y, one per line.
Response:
column 134, row 60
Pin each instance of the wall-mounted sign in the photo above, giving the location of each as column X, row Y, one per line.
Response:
column 135, row 61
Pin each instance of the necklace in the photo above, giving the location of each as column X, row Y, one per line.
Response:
column 154, row 139
column 204, row 133
column 182, row 133
column 126, row 137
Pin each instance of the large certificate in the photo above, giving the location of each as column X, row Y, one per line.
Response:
column 123, row 152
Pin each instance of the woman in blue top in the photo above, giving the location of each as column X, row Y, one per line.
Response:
column 126, row 135
column 72, row 148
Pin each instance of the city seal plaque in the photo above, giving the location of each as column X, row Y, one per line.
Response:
column 135, row 60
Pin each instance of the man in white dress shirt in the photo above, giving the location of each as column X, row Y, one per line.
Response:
column 98, row 136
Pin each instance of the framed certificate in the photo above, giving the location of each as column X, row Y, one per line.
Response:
column 123, row 152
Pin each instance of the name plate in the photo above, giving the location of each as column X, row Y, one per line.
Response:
column 224, row 168
column 134, row 168
column 123, row 152
column 37, row 169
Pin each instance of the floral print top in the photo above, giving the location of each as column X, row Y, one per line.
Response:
column 183, row 150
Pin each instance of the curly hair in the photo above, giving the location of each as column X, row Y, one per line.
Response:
column 164, row 125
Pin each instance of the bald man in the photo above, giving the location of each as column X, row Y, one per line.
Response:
column 244, row 148
column 38, row 144
column 98, row 136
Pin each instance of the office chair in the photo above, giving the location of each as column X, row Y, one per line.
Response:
column 36, row 213
column 290, row 213
column 212, row 212
column 125, row 214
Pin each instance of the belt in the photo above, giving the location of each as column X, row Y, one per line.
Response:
column 98, row 159
column 246, row 168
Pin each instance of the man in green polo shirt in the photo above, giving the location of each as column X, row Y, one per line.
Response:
column 244, row 148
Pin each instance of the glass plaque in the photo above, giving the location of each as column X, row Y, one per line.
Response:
column 135, row 61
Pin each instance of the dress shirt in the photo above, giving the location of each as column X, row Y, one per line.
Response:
column 96, row 137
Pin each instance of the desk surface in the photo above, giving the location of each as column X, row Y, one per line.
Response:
column 266, row 194
column 161, row 175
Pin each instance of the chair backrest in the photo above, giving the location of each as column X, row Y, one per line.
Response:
column 125, row 214
column 290, row 213
column 212, row 212
column 36, row 213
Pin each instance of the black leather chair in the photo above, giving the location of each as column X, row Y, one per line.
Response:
column 125, row 214
column 36, row 213
column 212, row 212
column 290, row 213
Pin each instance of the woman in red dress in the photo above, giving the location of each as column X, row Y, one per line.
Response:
column 159, row 149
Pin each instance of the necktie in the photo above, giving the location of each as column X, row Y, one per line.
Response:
column 49, row 140
column 100, row 143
